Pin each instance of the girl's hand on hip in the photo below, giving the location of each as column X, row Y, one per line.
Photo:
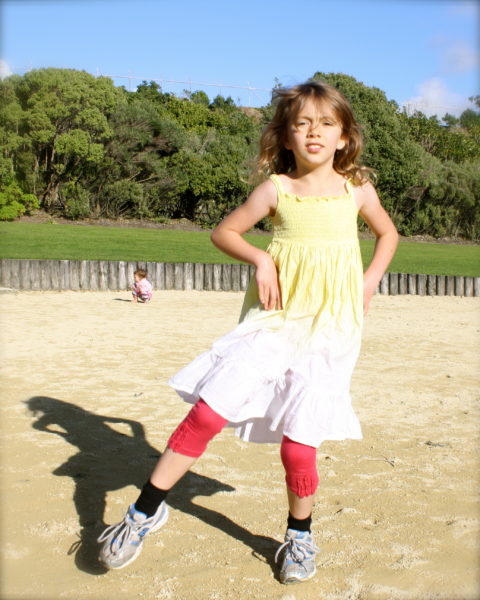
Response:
column 267, row 283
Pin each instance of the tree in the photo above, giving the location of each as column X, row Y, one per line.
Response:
column 64, row 125
column 13, row 201
column 140, row 141
column 200, row 97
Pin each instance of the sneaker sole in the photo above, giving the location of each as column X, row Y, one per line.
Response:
column 294, row 580
column 140, row 546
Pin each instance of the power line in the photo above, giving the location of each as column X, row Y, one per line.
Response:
column 161, row 80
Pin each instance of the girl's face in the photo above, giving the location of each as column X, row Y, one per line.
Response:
column 314, row 135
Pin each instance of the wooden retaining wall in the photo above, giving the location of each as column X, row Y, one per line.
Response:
column 94, row 275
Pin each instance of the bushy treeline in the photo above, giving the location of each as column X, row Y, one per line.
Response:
column 77, row 146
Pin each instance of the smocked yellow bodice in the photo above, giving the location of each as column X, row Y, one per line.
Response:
column 314, row 219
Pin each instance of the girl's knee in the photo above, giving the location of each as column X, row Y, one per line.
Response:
column 203, row 418
column 197, row 429
column 300, row 466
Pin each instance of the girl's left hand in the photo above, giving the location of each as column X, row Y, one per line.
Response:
column 267, row 283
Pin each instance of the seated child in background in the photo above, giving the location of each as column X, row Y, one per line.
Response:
column 142, row 289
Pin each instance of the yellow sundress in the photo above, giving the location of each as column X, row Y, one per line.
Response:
column 287, row 372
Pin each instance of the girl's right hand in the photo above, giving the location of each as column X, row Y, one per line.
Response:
column 267, row 283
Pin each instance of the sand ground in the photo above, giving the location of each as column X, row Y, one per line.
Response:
column 86, row 410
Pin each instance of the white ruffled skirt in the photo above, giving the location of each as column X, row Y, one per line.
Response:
column 272, row 382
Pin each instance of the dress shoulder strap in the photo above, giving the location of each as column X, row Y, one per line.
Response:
column 277, row 183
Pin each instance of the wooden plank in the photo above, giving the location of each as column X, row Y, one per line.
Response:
column 431, row 285
column 236, row 285
column 24, row 275
column 476, row 286
column 402, row 283
column 244, row 277
column 151, row 273
column 130, row 270
column 74, row 269
column 83, row 275
column 383, row 287
column 199, row 273
column 217, row 277
column 122, row 276
column 64, row 274
column 102, row 275
column 160, row 275
column 54, row 266
column 14, row 274
column 169, row 276
column 227, row 277
column 45, row 280
column 459, row 285
column 178, row 274
column 112, row 275
column 93, row 283
column 35, row 275
column 468, row 286
column 188, row 276
column 441, row 285
column 421, row 285
column 412, row 284
column 450, row 285
column 393, row 284
column 208, row 277
column 5, row 268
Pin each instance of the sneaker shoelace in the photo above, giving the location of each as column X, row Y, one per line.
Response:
column 121, row 532
column 297, row 549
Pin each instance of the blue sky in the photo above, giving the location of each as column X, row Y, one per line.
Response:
column 420, row 52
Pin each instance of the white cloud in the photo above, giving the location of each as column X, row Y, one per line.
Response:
column 5, row 70
column 459, row 57
column 436, row 99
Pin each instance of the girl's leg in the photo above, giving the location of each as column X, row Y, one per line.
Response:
column 299, row 461
column 122, row 542
column 299, row 550
column 186, row 445
column 301, row 478
column 300, row 508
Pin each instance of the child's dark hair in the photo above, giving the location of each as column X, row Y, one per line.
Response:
column 275, row 158
column 141, row 273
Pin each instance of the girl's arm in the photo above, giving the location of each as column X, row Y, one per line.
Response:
column 227, row 236
column 382, row 226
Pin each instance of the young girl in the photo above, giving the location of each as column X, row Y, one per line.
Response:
column 142, row 289
column 283, row 374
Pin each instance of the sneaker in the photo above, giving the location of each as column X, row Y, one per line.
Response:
column 122, row 543
column 299, row 552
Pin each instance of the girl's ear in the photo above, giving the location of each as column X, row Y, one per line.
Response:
column 341, row 143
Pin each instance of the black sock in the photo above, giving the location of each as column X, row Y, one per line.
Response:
column 299, row 524
column 150, row 499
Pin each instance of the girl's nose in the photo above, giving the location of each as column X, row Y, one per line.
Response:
column 314, row 129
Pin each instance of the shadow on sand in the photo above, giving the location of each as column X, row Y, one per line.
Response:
column 109, row 460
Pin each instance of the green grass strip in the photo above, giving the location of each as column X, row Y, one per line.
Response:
column 82, row 242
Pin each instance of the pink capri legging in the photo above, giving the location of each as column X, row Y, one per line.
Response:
column 202, row 424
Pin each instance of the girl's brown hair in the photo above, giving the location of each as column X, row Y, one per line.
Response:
column 275, row 158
